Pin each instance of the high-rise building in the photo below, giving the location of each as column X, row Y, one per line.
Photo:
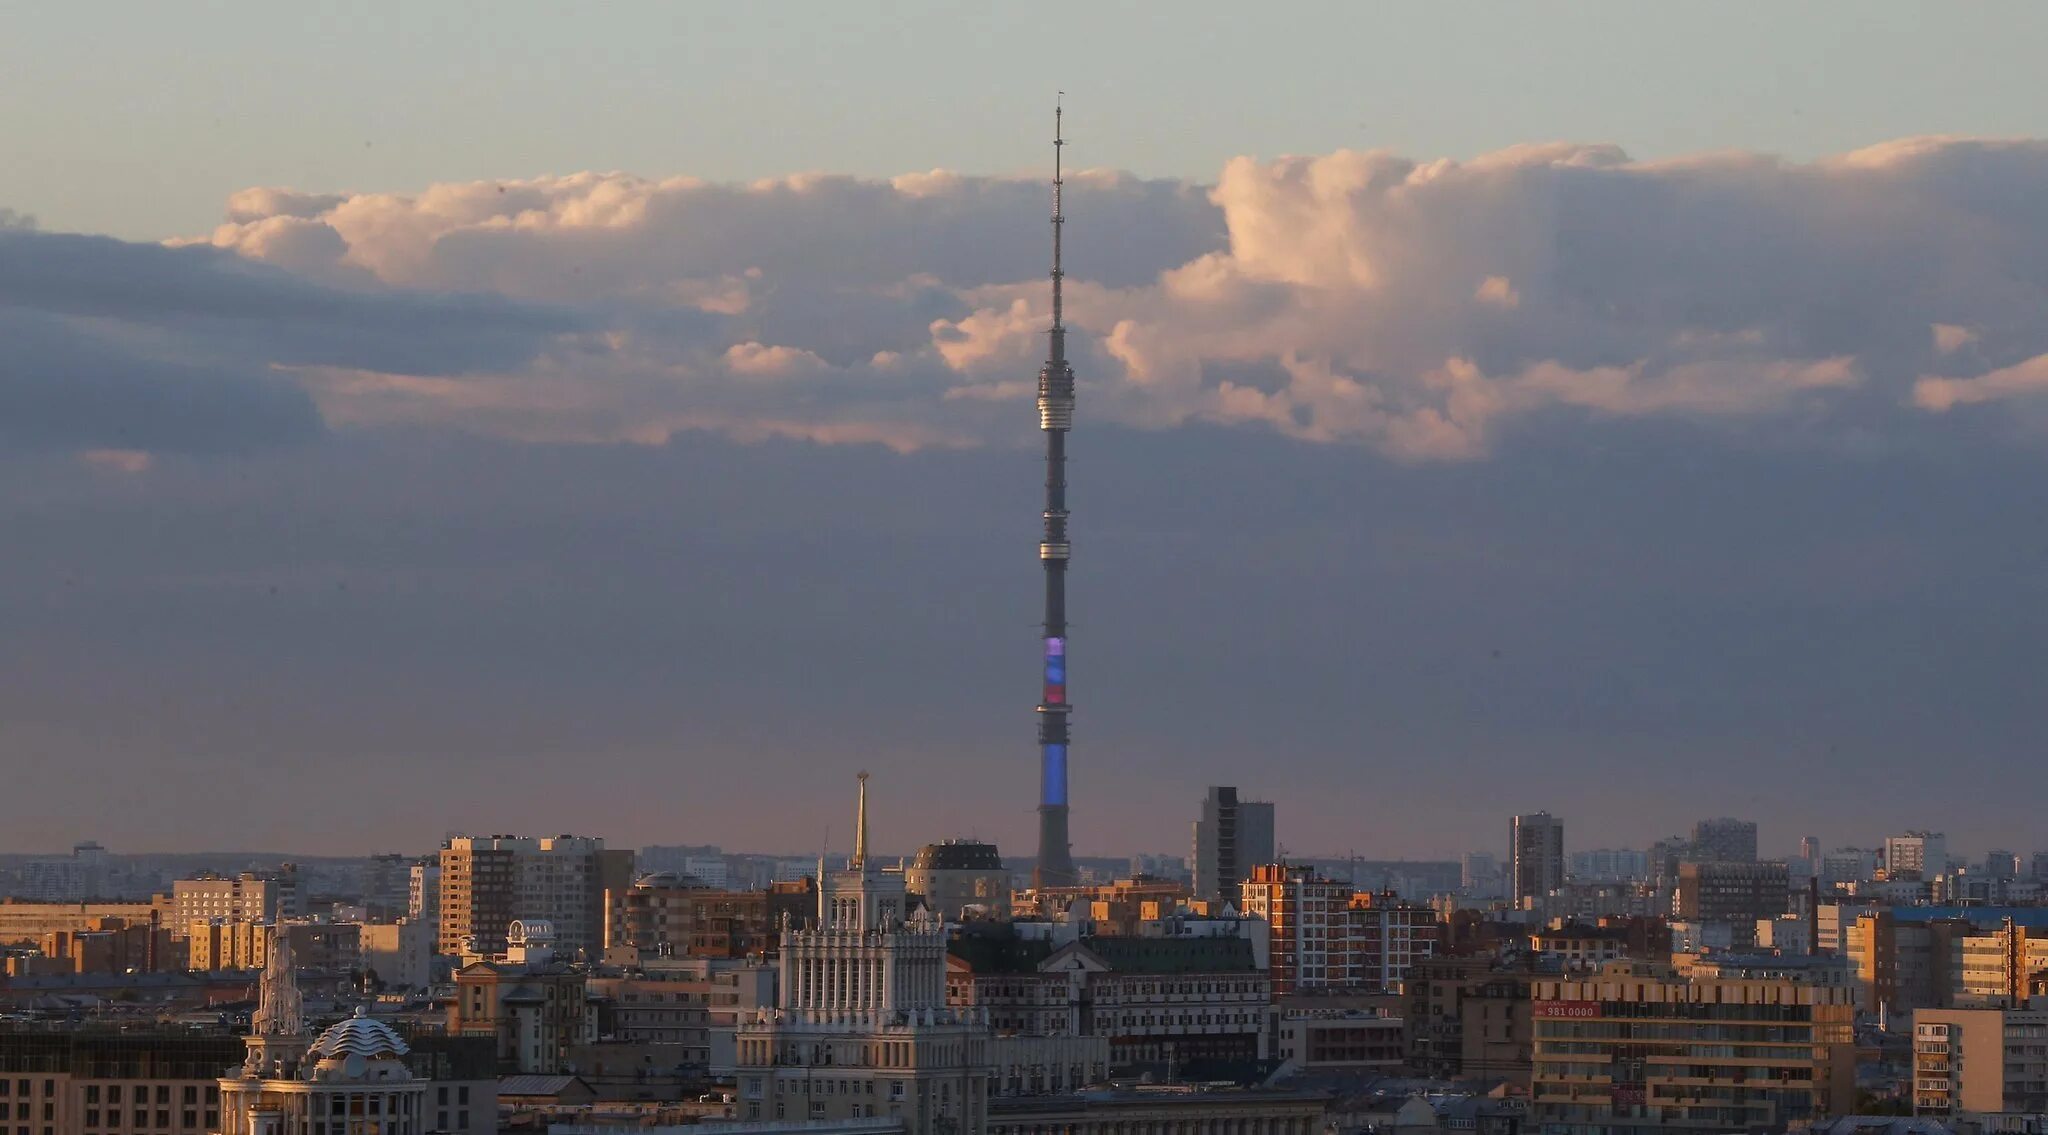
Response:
column 1232, row 837
column 1732, row 892
column 1980, row 1061
column 1055, row 866
column 1725, row 840
column 573, row 882
column 1304, row 915
column 1746, row 1045
column 1385, row 936
column 1535, row 858
column 423, row 897
column 1915, row 855
column 861, row 1027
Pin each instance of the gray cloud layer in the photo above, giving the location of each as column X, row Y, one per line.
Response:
column 1631, row 470
column 129, row 346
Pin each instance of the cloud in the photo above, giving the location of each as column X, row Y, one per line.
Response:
column 1426, row 309
column 2020, row 380
column 118, row 346
column 1949, row 338
column 1419, row 307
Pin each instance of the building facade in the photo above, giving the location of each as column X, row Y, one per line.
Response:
column 1636, row 1048
column 571, row 882
column 1232, row 837
column 670, row 916
column 1980, row 1062
column 1304, row 915
column 1733, row 892
column 248, row 897
column 1725, row 840
column 959, row 879
column 861, row 1027
column 1535, row 858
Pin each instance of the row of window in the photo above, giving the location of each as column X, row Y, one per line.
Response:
column 110, row 1119
column 188, row 1094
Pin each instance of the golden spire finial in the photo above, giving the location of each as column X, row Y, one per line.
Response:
column 860, row 823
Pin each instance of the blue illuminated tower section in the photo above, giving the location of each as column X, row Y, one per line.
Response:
column 1055, row 417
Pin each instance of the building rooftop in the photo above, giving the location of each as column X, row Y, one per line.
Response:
column 958, row 855
column 1216, row 954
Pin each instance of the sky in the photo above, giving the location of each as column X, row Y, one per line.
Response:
column 418, row 419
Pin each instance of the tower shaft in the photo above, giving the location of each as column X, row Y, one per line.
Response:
column 1055, row 417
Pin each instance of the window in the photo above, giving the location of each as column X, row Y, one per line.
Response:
column 191, row 1093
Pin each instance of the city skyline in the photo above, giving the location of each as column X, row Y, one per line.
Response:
column 1426, row 484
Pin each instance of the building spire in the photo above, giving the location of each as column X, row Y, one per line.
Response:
column 1059, row 220
column 860, row 824
column 280, row 1007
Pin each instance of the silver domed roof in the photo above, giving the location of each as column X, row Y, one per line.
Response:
column 359, row 1035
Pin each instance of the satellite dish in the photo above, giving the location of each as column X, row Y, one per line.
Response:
column 355, row 1066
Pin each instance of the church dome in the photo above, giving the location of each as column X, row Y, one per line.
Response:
column 360, row 1036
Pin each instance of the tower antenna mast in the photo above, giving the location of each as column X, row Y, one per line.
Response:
column 1055, row 417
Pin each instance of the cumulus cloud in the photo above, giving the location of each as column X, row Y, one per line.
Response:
column 1423, row 308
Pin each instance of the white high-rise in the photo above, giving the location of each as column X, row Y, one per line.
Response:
column 861, row 1027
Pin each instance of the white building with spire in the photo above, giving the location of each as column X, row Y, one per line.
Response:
column 861, row 1028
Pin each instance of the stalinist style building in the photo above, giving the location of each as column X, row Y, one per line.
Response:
column 861, row 1027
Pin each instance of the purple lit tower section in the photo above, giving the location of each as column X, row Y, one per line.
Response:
column 1055, row 417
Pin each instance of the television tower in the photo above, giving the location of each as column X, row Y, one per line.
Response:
column 1055, row 417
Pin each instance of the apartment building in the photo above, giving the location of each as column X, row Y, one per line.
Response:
column 1535, row 858
column 1736, row 893
column 668, row 916
column 248, row 897
column 93, row 1081
column 1305, row 917
column 1740, row 1045
column 1469, row 1017
column 1383, row 936
column 1980, row 1062
column 572, row 882
column 1232, row 837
